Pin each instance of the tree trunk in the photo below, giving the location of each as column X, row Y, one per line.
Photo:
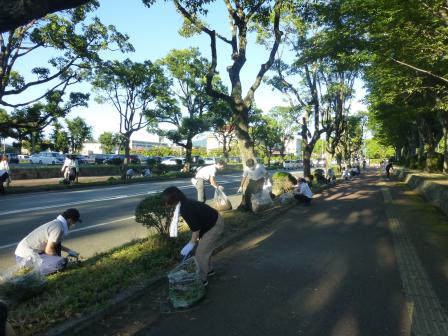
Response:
column 225, row 148
column 307, row 150
column 445, row 151
column 245, row 143
column 188, row 151
column 126, row 161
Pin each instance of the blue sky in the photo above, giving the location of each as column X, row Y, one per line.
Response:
column 154, row 32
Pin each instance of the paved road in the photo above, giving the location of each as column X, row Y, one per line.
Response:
column 343, row 267
column 107, row 212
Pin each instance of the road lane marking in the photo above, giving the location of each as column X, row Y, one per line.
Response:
column 110, row 198
column 425, row 311
column 80, row 229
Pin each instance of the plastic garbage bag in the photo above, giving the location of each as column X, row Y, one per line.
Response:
column 185, row 287
column 261, row 201
column 22, row 281
column 267, row 186
column 221, row 201
column 286, row 197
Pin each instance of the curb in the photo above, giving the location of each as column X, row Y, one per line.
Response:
column 76, row 325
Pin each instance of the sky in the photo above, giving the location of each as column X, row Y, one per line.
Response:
column 153, row 33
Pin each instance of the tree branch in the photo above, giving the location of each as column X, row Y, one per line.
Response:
column 421, row 70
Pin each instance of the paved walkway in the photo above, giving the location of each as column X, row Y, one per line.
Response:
column 345, row 266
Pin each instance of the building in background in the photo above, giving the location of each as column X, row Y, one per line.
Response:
column 294, row 147
column 90, row 148
column 140, row 144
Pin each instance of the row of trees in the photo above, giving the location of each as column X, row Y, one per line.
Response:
column 406, row 75
column 321, row 56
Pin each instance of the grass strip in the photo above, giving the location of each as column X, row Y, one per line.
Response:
column 94, row 283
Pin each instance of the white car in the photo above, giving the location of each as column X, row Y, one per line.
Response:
column 173, row 162
column 292, row 164
column 47, row 158
column 209, row 161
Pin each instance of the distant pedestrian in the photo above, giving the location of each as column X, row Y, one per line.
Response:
column 74, row 168
column 4, row 165
column 207, row 174
column 4, row 174
column 46, row 242
column 146, row 172
column 364, row 164
column 389, row 167
column 345, row 173
column 130, row 173
column 205, row 223
column 256, row 174
column 331, row 177
column 66, row 166
column 303, row 193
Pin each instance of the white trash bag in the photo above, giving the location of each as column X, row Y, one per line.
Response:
column 185, row 287
column 221, row 201
column 286, row 197
column 22, row 281
column 261, row 200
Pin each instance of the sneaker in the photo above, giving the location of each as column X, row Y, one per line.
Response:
column 211, row 273
column 205, row 283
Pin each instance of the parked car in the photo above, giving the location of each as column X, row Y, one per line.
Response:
column 173, row 162
column 100, row 158
column 47, row 158
column 12, row 158
column 209, row 161
column 24, row 158
column 119, row 159
column 291, row 164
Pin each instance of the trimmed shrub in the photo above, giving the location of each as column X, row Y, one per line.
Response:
column 152, row 213
column 282, row 182
column 159, row 169
column 434, row 163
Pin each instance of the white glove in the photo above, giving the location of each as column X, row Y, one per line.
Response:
column 220, row 188
column 72, row 253
column 187, row 249
column 240, row 190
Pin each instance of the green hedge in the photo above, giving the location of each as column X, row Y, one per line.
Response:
column 282, row 182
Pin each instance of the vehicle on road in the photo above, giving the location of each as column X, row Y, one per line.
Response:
column 119, row 159
column 47, row 158
column 293, row 164
column 24, row 158
column 209, row 160
column 173, row 161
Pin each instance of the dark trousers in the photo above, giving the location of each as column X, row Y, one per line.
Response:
column 302, row 199
column 253, row 187
column 3, row 179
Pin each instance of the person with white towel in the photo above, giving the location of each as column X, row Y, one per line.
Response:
column 205, row 223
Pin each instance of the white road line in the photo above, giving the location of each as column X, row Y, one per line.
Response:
column 59, row 205
column 80, row 229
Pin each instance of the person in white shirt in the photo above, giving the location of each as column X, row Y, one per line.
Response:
column 303, row 193
column 256, row 174
column 46, row 242
column 5, row 174
column 207, row 173
column 130, row 173
column 66, row 166
column 345, row 174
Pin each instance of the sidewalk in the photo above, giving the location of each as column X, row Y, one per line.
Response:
column 338, row 268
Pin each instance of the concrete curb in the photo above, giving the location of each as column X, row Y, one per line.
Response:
column 435, row 193
column 76, row 325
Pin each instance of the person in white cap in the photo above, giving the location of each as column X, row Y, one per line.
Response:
column 46, row 242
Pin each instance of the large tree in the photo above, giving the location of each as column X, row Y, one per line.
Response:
column 190, row 109
column 78, row 132
column 131, row 87
column 319, row 79
column 242, row 17
column 73, row 42
column 16, row 13
column 60, row 138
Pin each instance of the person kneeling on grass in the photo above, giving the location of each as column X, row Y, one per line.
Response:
column 205, row 223
column 303, row 192
column 46, row 242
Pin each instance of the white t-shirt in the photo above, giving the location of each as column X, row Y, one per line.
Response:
column 257, row 173
column 206, row 172
column 4, row 165
column 36, row 241
column 305, row 190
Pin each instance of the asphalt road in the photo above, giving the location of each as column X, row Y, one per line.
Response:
column 107, row 213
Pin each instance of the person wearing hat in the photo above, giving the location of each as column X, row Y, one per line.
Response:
column 303, row 192
column 46, row 242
